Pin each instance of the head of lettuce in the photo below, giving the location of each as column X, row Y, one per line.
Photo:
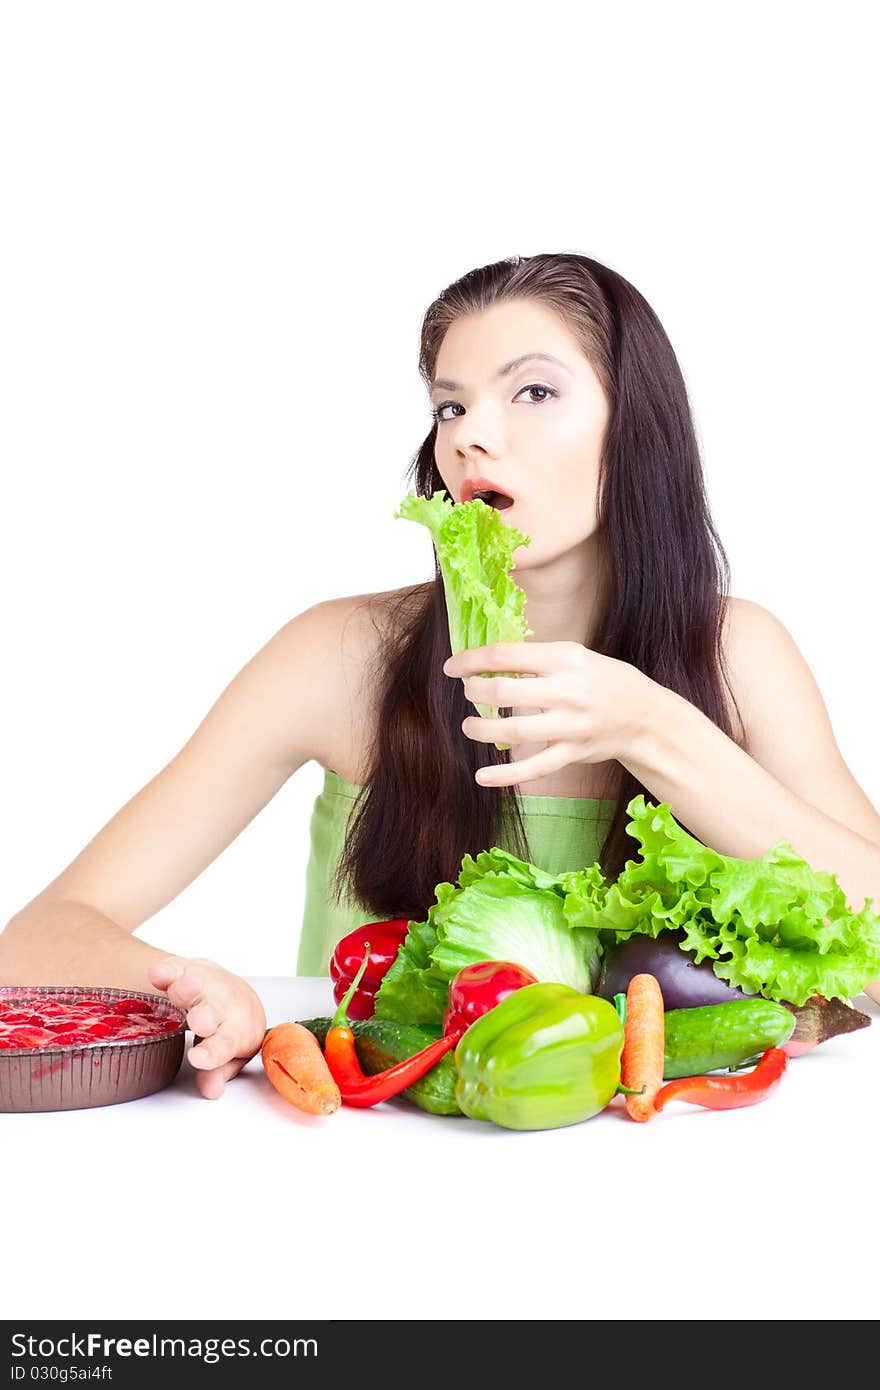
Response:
column 475, row 554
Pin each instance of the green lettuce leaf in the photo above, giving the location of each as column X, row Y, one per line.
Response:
column 475, row 554
column 772, row 926
column 413, row 990
column 497, row 918
column 500, row 861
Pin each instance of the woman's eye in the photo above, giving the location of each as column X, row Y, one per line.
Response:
column 440, row 418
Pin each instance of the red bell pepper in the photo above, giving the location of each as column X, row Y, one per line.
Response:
column 478, row 988
column 385, row 939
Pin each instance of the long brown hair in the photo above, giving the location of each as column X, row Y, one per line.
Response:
column 421, row 810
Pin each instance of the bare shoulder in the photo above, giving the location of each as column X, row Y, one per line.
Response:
column 354, row 631
column 357, row 625
column 753, row 642
column 772, row 681
column 788, row 726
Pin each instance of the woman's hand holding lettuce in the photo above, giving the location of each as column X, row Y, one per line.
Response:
column 588, row 707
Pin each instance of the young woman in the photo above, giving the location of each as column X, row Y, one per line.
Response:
column 555, row 388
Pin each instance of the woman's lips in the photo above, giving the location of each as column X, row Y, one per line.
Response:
column 470, row 486
column 485, row 485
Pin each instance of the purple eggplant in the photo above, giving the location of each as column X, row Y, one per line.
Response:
column 683, row 983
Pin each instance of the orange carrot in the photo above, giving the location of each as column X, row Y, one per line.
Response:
column 641, row 1064
column 296, row 1066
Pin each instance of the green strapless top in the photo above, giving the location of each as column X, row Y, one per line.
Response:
column 564, row 832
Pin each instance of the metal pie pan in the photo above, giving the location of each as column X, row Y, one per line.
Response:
column 87, row 1074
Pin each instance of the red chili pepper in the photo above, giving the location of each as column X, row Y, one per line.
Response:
column 355, row 1087
column 478, row 988
column 385, row 939
column 728, row 1092
column 339, row 1048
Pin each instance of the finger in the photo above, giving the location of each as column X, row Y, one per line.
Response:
column 529, row 769
column 181, row 981
column 186, row 991
column 204, row 1019
column 545, row 727
column 213, row 1083
column 163, row 972
column 222, row 1046
column 535, row 657
column 507, row 691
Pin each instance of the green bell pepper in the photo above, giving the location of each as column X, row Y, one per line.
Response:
column 546, row 1056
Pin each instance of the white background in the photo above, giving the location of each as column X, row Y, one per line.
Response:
column 222, row 224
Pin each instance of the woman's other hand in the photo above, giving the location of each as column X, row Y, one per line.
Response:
column 591, row 708
column 222, row 1009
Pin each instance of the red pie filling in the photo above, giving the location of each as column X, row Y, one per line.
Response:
column 46, row 1021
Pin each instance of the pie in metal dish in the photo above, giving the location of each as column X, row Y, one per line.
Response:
column 65, row 1048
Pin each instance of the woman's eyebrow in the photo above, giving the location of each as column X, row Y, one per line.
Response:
column 445, row 383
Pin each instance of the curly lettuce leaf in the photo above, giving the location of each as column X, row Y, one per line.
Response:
column 500, row 861
column 475, row 554
column 584, row 897
column 784, row 973
column 771, row 926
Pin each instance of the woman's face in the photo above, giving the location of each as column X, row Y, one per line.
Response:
column 535, row 431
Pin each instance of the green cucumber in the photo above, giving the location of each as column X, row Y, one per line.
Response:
column 381, row 1043
column 714, row 1036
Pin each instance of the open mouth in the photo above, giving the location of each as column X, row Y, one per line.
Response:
column 499, row 500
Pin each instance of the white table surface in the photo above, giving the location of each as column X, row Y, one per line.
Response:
column 174, row 1206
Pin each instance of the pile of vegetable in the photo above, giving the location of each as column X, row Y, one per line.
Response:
column 531, row 1000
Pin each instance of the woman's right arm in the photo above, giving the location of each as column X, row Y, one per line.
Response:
column 275, row 715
